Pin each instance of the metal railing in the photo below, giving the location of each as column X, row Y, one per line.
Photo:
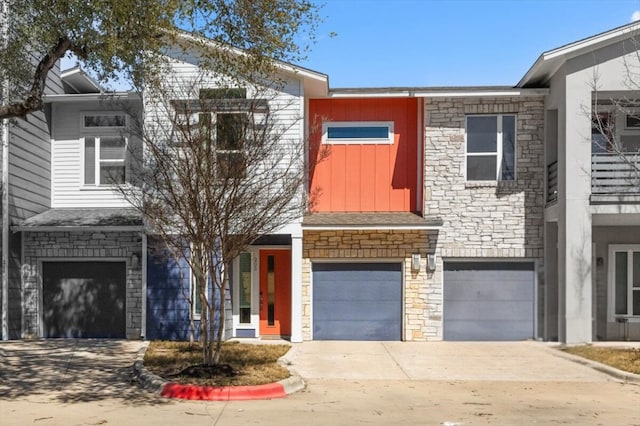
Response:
column 614, row 173
column 552, row 182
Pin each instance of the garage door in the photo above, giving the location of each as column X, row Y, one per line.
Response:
column 84, row 299
column 357, row 301
column 488, row 301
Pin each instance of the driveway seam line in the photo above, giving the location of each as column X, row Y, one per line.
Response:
column 395, row 361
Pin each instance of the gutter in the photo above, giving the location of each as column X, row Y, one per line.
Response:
column 407, row 227
column 74, row 228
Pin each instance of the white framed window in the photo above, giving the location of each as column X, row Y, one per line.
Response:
column 357, row 132
column 104, row 160
column 104, row 148
column 491, row 147
column 245, row 293
column 196, row 303
column 624, row 281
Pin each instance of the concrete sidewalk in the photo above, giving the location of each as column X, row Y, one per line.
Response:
column 464, row 361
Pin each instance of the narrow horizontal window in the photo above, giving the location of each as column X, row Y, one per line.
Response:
column 365, row 132
column 105, row 120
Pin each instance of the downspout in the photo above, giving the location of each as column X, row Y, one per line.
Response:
column 4, row 15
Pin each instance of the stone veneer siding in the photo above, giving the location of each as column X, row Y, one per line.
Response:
column 422, row 302
column 496, row 220
column 75, row 246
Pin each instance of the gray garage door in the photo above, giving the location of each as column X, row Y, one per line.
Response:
column 488, row 301
column 357, row 301
column 84, row 299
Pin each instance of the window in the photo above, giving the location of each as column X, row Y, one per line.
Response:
column 104, row 160
column 491, row 147
column 630, row 134
column 357, row 132
column 244, row 289
column 229, row 132
column 601, row 133
column 615, row 131
column 104, row 148
column 223, row 121
column 624, row 281
column 104, row 120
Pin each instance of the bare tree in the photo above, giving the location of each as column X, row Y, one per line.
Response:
column 222, row 164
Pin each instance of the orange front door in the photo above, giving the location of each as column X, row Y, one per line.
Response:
column 275, row 292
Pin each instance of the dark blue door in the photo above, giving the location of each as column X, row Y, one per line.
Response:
column 357, row 301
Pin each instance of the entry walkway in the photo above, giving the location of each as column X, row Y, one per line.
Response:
column 460, row 361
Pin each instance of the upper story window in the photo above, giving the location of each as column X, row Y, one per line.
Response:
column 105, row 120
column 357, row 132
column 226, row 121
column 104, row 160
column 630, row 134
column 227, row 133
column 104, row 149
column 491, row 147
column 601, row 133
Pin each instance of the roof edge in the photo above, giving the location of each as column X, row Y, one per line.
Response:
column 435, row 92
column 282, row 65
column 79, row 97
column 558, row 52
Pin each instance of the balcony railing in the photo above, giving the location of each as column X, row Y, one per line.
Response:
column 614, row 174
column 552, row 182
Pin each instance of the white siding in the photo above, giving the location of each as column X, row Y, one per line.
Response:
column 67, row 160
column 286, row 104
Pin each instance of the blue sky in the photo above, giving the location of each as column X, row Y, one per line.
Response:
column 382, row 43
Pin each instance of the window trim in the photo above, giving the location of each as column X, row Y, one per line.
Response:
column 498, row 153
column 389, row 140
column 98, row 161
column 611, row 285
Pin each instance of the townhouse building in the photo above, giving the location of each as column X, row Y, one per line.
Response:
column 436, row 213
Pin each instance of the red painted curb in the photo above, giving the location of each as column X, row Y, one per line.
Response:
column 223, row 393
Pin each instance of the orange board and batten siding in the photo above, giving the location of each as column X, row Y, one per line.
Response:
column 365, row 177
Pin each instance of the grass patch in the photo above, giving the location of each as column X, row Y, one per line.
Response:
column 626, row 359
column 256, row 364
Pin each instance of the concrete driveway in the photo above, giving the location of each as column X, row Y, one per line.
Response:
column 87, row 382
column 68, row 370
column 463, row 361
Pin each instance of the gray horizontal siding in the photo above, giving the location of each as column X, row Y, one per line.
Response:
column 29, row 167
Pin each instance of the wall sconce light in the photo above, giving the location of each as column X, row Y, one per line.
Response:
column 415, row 262
column 135, row 261
column 431, row 262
